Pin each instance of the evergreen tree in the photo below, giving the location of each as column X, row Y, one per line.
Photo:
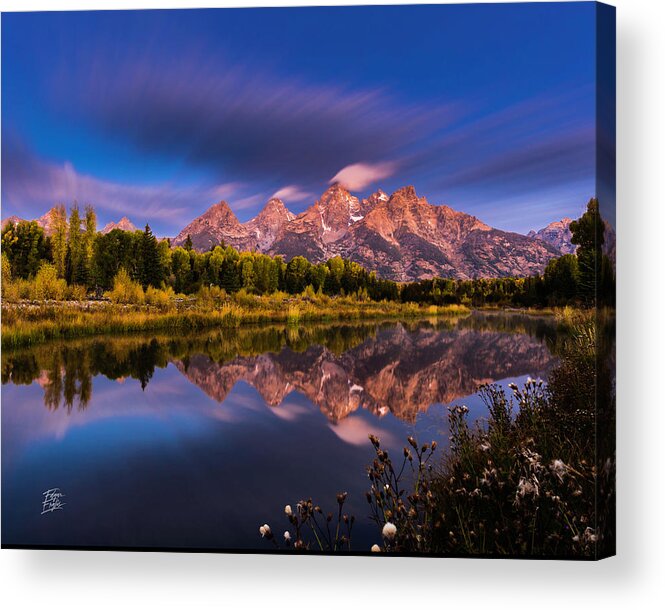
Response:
column 231, row 280
column 188, row 243
column 150, row 268
column 562, row 279
column 588, row 235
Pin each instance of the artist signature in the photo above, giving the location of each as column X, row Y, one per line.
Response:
column 52, row 500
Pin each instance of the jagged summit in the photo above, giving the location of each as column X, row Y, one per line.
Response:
column 216, row 225
column 124, row 224
column 268, row 224
column 404, row 237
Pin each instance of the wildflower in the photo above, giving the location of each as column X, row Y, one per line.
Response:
column 532, row 458
column 485, row 447
column 389, row 530
column 376, row 548
column 287, row 536
column 265, row 531
column 287, row 510
column 527, row 487
column 559, row 468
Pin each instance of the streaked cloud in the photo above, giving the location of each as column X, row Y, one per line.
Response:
column 293, row 193
column 359, row 176
column 356, row 431
column 32, row 185
column 241, row 120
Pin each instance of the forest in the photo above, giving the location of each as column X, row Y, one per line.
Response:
column 76, row 262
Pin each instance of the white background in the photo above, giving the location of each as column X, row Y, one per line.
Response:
column 68, row 579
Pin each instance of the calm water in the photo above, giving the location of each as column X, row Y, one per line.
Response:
column 195, row 441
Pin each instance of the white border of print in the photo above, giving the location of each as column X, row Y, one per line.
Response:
column 634, row 578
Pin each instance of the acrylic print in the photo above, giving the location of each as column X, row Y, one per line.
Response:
column 310, row 280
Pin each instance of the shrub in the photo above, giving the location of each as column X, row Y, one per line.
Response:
column 159, row 298
column 309, row 293
column 25, row 288
column 125, row 290
column 47, row 285
column 76, row 292
column 11, row 291
column 6, row 269
column 245, row 299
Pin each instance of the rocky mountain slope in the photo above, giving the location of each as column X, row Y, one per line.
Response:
column 269, row 224
column 46, row 222
column 402, row 237
column 124, row 224
column 216, row 225
column 556, row 234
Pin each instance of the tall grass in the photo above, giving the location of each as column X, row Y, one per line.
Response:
column 293, row 315
column 28, row 324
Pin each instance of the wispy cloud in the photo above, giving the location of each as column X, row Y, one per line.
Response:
column 359, row 176
column 293, row 193
column 32, row 185
column 355, row 431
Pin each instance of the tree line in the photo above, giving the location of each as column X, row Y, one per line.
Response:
column 76, row 253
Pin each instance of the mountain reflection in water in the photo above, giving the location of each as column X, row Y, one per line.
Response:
column 401, row 368
column 193, row 441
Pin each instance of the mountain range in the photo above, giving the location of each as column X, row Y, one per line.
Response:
column 401, row 236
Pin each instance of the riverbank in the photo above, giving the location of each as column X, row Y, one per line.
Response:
column 31, row 322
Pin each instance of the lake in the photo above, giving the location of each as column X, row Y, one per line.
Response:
column 193, row 442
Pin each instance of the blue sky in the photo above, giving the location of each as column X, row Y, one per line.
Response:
column 159, row 114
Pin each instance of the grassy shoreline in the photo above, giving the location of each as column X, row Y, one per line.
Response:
column 30, row 323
